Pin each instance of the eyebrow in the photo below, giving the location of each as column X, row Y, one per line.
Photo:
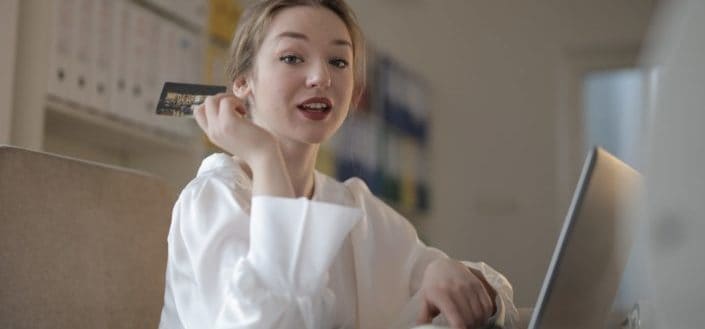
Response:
column 301, row 36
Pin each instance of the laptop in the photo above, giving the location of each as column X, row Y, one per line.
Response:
column 593, row 247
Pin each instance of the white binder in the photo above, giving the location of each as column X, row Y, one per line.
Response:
column 103, row 20
column 187, row 63
column 166, row 66
column 150, row 78
column 84, row 53
column 136, row 52
column 196, row 56
column 61, row 56
column 118, row 73
column 197, row 62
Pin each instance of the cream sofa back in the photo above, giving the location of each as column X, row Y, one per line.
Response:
column 82, row 245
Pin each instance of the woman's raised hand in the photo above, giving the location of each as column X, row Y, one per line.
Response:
column 455, row 291
column 222, row 118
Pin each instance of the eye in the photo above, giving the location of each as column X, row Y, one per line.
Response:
column 291, row 59
column 339, row 63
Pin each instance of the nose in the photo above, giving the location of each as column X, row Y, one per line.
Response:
column 319, row 76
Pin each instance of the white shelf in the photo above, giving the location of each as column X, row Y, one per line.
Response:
column 77, row 122
column 82, row 132
column 42, row 121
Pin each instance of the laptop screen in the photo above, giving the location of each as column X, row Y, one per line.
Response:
column 593, row 247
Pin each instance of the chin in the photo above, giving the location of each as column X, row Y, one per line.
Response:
column 305, row 137
column 315, row 136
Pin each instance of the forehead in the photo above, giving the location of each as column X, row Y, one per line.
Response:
column 318, row 24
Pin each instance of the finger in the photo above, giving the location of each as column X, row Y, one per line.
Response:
column 230, row 106
column 446, row 305
column 464, row 307
column 478, row 309
column 427, row 313
column 200, row 116
column 486, row 303
column 212, row 103
column 238, row 104
column 482, row 297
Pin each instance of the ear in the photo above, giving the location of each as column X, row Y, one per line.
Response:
column 242, row 88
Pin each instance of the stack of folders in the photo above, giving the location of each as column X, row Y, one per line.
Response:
column 114, row 56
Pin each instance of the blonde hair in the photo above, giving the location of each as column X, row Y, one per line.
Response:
column 253, row 24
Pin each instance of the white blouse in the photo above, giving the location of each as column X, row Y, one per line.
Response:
column 343, row 259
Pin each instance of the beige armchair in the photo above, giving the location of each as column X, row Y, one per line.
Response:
column 82, row 245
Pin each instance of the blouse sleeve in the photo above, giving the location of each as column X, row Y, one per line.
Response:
column 266, row 270
column 506, row 315
column 403, row 258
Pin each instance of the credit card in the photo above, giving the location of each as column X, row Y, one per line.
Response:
column 179, row 99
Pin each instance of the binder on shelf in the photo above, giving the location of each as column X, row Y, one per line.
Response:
column 408, row 173
column 345, row 163
column 168, row 67
column 392, row 166
column 61, row 51
column 423, row 170
column 103, row 21
column 187, row 67
column 119, row 90
column 167, row 56
column 84, row 53
column 416, row 100
column 403, row 99
column 107, row 55
column 367, row 131
column 196, row 56
column 136, row 65
column 151, row 76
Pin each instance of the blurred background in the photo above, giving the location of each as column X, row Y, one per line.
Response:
column 475, row 124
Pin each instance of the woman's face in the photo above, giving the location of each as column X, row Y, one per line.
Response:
column 302, row 83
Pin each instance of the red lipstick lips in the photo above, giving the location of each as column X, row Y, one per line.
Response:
column 315, row 108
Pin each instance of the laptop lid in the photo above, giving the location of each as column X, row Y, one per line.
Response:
column 592, row 249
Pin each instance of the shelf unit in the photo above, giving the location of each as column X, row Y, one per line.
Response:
column 47, row 122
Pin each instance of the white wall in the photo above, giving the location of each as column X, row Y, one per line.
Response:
column 495, row 71
column 675, row 156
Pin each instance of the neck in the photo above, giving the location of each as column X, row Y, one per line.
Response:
column 301, row 163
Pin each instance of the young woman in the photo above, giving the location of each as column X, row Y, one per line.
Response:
column 259, row 239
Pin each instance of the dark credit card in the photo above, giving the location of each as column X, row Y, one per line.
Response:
column 178, row 99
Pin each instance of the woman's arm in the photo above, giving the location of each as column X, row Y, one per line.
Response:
column 400, row 257
column 466, row 294
column 221, row 117
column 226, row 270
column 269, row 174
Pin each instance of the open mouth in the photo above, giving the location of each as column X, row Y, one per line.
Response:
column 315, row 108
column 316, row 104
